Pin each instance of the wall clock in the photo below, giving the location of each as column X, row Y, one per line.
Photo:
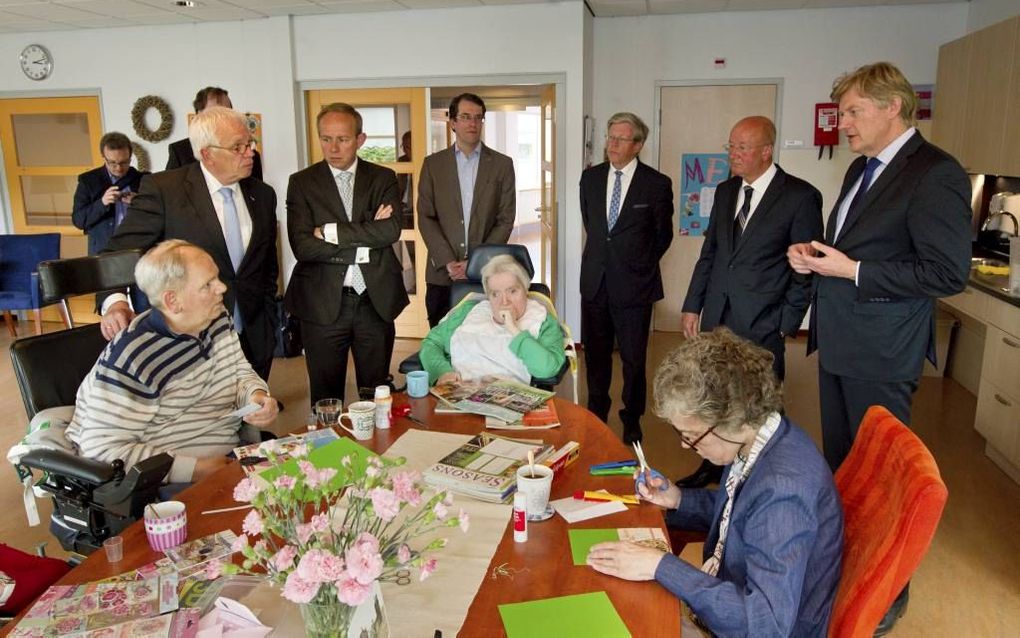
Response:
column 36, row 62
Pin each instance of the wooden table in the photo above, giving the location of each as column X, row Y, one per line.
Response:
column 646, row 608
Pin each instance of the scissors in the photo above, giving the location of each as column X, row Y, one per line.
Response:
column 644, row 471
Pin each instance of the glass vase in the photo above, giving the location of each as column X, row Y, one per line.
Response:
column 327, row 617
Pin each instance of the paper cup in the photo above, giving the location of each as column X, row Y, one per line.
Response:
column 114, row 547
column 166, row 524
column 535, row 488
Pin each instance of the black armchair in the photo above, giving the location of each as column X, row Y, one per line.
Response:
column 478, row 257
column 92, row 500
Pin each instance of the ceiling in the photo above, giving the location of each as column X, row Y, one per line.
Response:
column 18, row 16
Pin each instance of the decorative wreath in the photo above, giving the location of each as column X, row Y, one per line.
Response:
column 141, row 157
column 166, row 118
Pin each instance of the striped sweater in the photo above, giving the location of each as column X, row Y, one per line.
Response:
column 154, row 391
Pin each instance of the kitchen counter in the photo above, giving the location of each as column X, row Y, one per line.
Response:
column 995, row 285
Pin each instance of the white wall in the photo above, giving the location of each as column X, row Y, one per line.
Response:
column 983, row 13
column 806, row 48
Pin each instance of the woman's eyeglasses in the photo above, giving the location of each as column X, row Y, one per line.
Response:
column 691, row 443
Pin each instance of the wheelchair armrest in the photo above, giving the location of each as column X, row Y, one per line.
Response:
column 73, row 467
column 411, row 364
column 551, row 382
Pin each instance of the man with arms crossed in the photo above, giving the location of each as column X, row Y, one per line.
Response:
column 346, row 288
column 742, row 279
column 627, row 210
column 466, row 197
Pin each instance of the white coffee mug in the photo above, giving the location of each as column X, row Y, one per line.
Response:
column 536, row 488
column 362, row 416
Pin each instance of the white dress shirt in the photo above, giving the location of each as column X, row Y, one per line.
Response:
column 329, row 230
column 759, row 185
column 625, row 179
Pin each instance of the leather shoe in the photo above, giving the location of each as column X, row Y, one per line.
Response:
column 705, row 474
column 896, row 611
column 632, row 435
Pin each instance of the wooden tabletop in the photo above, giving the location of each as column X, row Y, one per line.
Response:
column 646, row 608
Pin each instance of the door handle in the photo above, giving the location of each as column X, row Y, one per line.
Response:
column 1002, row 401
column 1010, row 343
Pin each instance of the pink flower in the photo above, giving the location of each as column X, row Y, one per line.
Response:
column 300, row 450
column 372, row 471
column 299, row 590
column 363, row 564
column 440, row 511
column 246, row 490
column 284, row 558
column 351, row 592
column 285, row 482
column 213, row 569
column 427, row 568
column 385, row 503
column 239, row 543
column 310, row 566
column 366, row 542
column 304, row 532
column 252, row 523
column 465, row 521
column 404, row 485
column 320, row 522
column 404, row 554
column 448, row 499
column 315, row 477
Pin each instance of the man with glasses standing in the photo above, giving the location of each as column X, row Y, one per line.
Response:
column 103, row 195
column 627, row 211
column 179, row 153
column 466, row 196
column 216, row 205
column 742, row 279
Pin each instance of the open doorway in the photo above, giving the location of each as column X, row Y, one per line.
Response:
column 517, row 124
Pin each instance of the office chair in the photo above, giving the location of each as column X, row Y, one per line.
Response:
column 478, row 257
column 19, row 282
column 893, row 498
column 61, row 279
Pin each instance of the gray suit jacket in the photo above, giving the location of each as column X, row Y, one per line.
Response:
column 440, row 210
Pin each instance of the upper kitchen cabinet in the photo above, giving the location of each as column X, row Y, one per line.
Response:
column 978, row 78
column 951, row 97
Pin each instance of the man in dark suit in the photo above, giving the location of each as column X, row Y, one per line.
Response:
column 627, row 210
column 898, row 237
column 180, row 152
column 742, row 279
column 467, row 196
column 346, row 288
column 103, row 195
column 215, row 205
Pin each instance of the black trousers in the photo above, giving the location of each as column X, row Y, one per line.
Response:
column 774, row 343
column 437, row 302
column 844, row 401
column 359, row 330
column 262, row 365
column 601, row 325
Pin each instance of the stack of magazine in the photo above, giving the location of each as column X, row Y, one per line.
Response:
column 491, row 396
column 486, row 466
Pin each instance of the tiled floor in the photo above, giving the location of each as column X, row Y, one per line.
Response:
column 968, row 585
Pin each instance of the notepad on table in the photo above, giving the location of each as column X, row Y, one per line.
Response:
column 581, row 540
column 576, row 616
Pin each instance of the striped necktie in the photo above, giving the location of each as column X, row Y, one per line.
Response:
column 345, row 181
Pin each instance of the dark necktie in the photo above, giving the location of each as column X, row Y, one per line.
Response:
column 869, row 172
column 740, row 221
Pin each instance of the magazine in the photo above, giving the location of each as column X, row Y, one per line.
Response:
column 485, row 467
column 314, row 439
column 544, row 417
column 491, row 396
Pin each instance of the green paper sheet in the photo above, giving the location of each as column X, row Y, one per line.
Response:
column 580, row 616
column 581, row 541
column 329, row 455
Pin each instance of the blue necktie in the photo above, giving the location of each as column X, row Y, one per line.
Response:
column 869, row 170
column 346, row 182
column 614, row 201
column 235, row 244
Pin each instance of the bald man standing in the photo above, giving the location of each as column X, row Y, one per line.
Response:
column 743, row 279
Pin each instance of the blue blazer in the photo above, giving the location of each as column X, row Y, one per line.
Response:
column 90, row 214
column 781, row 566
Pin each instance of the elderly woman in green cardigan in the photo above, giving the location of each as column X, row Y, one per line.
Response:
column 507, row 334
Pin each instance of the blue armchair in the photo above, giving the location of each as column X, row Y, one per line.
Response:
column 19, row 282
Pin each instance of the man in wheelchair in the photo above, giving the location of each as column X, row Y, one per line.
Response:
column 161, row 401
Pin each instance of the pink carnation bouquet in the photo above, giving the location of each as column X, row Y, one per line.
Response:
column 328, row 535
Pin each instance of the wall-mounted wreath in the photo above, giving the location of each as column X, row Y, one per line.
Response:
column 142, row 160
column 166, row 118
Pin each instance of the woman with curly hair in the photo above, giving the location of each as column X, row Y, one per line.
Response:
column 775, row 525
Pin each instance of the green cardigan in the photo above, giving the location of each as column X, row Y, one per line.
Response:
column 543, row 357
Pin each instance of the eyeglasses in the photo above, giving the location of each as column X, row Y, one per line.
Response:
column 691, row 443
column 467, row 117
column 615, row 139
column 237, row 149
column 742, row 148
column 113, row 164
